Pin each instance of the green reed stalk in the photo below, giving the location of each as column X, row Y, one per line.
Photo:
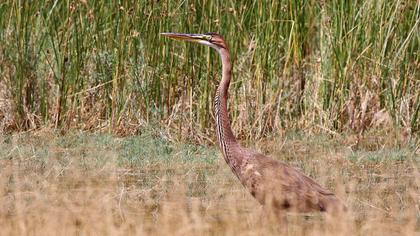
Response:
column 102, row 65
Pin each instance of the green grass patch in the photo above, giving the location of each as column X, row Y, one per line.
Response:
column 79, row 182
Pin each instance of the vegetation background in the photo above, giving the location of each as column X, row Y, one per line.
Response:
column 332, row 87
column 102, row 66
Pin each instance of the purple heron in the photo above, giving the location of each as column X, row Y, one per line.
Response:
column 273, row 183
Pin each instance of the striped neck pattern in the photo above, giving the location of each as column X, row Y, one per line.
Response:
column 227, row 141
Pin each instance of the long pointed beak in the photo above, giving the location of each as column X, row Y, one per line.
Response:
column 185, row 37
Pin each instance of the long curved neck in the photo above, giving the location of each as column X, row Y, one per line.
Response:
column 227, row 140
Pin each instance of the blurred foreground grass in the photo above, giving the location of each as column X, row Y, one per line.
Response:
column 99, row 184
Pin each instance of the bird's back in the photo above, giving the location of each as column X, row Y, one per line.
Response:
column 283, row 187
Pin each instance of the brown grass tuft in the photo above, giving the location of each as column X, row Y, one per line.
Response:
column 89, row 184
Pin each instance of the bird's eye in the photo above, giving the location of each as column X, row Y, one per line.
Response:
column 208, row 37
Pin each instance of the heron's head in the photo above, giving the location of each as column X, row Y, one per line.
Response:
column 213, row 40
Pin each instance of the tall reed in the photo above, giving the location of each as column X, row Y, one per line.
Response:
column 298, row 64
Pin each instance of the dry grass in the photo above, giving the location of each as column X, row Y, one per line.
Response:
column 330, row 67
column 88, row 184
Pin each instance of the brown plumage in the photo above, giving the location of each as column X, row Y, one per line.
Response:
column 273, row 183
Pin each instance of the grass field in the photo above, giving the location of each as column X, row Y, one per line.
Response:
column 107, row 128
column 98, row 184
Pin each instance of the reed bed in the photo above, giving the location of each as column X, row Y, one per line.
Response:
column 316, row 65
column 336, row 81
